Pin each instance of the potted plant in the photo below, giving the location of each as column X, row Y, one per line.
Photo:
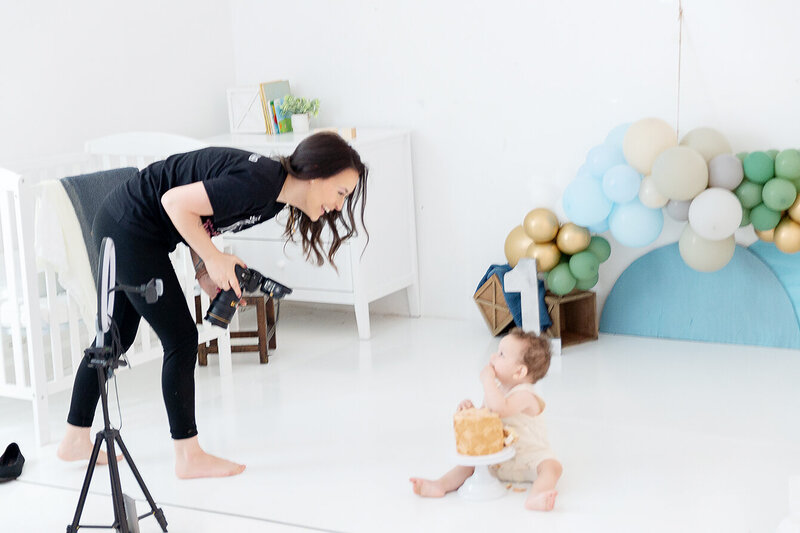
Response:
column 301, row 110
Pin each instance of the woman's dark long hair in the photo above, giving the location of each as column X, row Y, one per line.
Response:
column 321, row 156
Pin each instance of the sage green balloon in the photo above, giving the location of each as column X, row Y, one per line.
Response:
column 560, row 281
column 772, row 153
column 745, row 217
column 749, row 193
column 758, row 167
column 787, row 164
column 584, row 265
column 764, row 218
column 779, row 194
column 586, row 284
column 600, row 248
column 741, row 155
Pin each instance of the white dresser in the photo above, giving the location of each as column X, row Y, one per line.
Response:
column 389, row 261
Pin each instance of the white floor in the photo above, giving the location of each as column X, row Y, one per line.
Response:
column 654, row 436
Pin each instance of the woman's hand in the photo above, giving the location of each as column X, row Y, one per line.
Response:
column 208, row 286
column 221, row 270
column 466, row 404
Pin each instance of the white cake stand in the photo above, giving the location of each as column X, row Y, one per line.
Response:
column 481, row 485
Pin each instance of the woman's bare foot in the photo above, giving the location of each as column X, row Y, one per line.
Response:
column 541, row 501
column 191, row 461
column 77, row 446
column 427, row 488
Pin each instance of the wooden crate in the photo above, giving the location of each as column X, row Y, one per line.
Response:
column 574, row 316
column 492, row 305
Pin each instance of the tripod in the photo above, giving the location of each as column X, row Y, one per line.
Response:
column 105, row 360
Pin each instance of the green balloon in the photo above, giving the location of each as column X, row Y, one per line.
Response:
column 749, row 193
column 560, row 281
column 787, row 164
column 764, row 218
column 586, row 284
column 741, row 155
column 584, row 265
column 599, row 247
column 797, row 184
column 779, row 194
column 745, row 217
column 772, row 153
column 758, row 167
column 563, row 259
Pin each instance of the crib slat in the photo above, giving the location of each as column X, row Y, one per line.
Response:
column 55, row 324
column 11, row 286
column 75, row 348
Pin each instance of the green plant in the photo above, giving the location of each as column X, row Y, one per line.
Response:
column 293, row 105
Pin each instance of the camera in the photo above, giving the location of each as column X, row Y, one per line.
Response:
column 224, row 305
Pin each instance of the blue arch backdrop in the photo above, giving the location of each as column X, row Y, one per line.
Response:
column 755, row 299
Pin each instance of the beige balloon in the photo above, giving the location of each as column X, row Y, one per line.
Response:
column 516, row 245
column 649, row 195
column 766, row 236
column 541, row 225
column 680, row 173
column 645, row 140
column 546, row 255
column 573, row 238
column 708, row 142
column 704, row 255
column 794, row 211
column 787, row 236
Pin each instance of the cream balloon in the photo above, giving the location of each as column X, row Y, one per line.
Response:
column 516, row 245
column 541, row 225
column 680, row 173
column 794, row 211
column 649, row 195
column 573, row 238
column 708, row 142
column 767, row 235
column 715, row 213
column 704, row 255
column 645, row 140
column 787, row 236
column 547, row 255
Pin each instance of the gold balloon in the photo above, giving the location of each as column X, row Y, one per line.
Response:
column 516, row 245
column 794, row 211
column 766, row 236
column 546, row 255
column 572, row 238
column 541, row 225
column 787, row 236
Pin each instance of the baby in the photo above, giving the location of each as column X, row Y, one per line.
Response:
column 521, row 360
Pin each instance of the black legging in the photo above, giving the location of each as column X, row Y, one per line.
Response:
column 139, row 259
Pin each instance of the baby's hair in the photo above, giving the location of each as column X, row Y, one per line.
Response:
column 536, row 355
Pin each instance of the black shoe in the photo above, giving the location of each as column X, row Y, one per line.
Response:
column 11, row 463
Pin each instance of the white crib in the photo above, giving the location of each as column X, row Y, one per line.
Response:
column 42, row 334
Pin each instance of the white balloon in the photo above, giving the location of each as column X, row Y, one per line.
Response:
column 704, row 255
column 649, row 195
column 680, row 173
column 645, row 140
column 715, row 214
column 708, row 141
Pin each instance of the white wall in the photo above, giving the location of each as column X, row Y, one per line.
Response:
column 71, row 71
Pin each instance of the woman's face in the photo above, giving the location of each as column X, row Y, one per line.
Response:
column 327, row 194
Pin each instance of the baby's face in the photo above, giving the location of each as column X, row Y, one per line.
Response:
column 507, row 360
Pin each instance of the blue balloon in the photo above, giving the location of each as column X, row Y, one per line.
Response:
column 621, row 183
column 600, row 227
column 584, row 202
column 602, row 157
column 584, row 172
column 634, row 224
column 617, row 135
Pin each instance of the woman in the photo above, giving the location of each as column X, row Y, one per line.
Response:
column 189, row 198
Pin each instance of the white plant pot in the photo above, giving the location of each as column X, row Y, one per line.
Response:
column 300, row 123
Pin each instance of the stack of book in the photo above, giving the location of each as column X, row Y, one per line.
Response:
column 272, row 95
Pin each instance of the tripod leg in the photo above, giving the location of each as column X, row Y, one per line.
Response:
column 157, row 512
column 116, row 486
column 98, row 441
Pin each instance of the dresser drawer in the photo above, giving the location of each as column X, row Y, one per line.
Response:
column 288, row 266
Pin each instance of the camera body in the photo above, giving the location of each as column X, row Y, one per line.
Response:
column 224, row 305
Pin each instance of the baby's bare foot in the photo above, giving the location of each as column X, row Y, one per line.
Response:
column 78, row 450
column 541, row 501
column 427, row 488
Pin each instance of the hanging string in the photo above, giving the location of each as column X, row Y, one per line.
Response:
column 680, row 46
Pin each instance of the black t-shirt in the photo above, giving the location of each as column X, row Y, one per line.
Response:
column 243, row 188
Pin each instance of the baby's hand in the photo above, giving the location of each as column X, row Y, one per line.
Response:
column 466, row 404
column 488, row 374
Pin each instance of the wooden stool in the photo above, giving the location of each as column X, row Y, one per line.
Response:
column 265, row 317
